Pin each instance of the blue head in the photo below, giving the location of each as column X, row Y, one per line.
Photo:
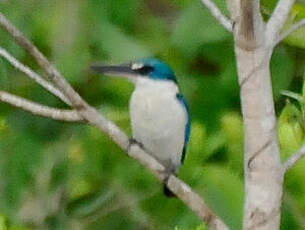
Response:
column 155, row 69
column 147, row 67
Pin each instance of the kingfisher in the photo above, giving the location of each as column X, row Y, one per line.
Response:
column 159, row 114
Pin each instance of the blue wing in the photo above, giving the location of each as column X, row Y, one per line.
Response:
column 187, row 126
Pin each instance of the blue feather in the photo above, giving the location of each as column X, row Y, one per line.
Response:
column 161, row 71
column 187, row 126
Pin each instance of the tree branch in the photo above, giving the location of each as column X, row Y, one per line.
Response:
column 31, row 74
column 292, row 29
column 262, row 166
column 178, row 187
column 86, row 111
column 182, row 190
column 41, row 110
column 42, row 61
column 220, row 17
column 248, row 25
column 277, row 20
column 294, row 158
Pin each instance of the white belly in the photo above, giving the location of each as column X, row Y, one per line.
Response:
column 158, row 122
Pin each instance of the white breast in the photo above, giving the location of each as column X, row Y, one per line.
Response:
column 158, row 120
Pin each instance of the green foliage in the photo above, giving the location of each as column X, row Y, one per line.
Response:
column 291, row 132
column 190, row 21
column 281, row 74
column 297, row 37
column 200, row 227
column 3, row 225
column 55, row 175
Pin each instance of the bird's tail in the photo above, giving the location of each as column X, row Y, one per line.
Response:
column 168, row 192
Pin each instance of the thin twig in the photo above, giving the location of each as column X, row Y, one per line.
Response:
column 277, row 19
column 291, row 29
column 41, row 110
column 178, row 187
column 294, row 158
column 31, row 74
column 218, row 15
column 87, row 112
column 53, row 73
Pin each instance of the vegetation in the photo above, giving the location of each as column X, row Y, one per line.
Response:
column 56, row 175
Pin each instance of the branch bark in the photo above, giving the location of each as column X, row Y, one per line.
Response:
column 277, row 20
column 294, row 158
column 41, row 110
column 262, row 165
column 289, row 31
column 34, row 76
column 89, row 114
column 51, row 72
column 218, row 15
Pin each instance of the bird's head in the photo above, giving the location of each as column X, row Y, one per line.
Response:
column 145, row 68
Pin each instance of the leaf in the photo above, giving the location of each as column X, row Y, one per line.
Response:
column 290, row 131
column 292, row 95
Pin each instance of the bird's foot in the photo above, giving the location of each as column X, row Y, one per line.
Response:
column 168, row 172
column 133, row 141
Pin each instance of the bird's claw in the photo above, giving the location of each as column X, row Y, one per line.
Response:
column 168, row 172
column 133, row 141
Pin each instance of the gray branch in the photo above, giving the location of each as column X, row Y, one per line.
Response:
column 262, row 166
column 277, row 20
column 88, row 113
column 289, row 31
column 218, row 15
column 34, row 76
column 53, row 75
column 41, row 110
column 294, row 158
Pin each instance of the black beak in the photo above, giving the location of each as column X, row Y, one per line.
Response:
column 120, row 70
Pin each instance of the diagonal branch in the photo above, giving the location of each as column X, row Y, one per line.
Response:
column 218, row 15
column 294, row 158
column 178, row 187
column 42, row 61
column 31, row 74
column 292, row 29
column 87, row 112
column 278, row 18
column 41, row 110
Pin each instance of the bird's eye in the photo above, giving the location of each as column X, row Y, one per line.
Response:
column 145, row 70
column 141, row 69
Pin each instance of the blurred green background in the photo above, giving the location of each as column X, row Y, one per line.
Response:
column 56, row 175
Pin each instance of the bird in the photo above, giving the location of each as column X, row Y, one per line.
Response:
column 159, row 114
